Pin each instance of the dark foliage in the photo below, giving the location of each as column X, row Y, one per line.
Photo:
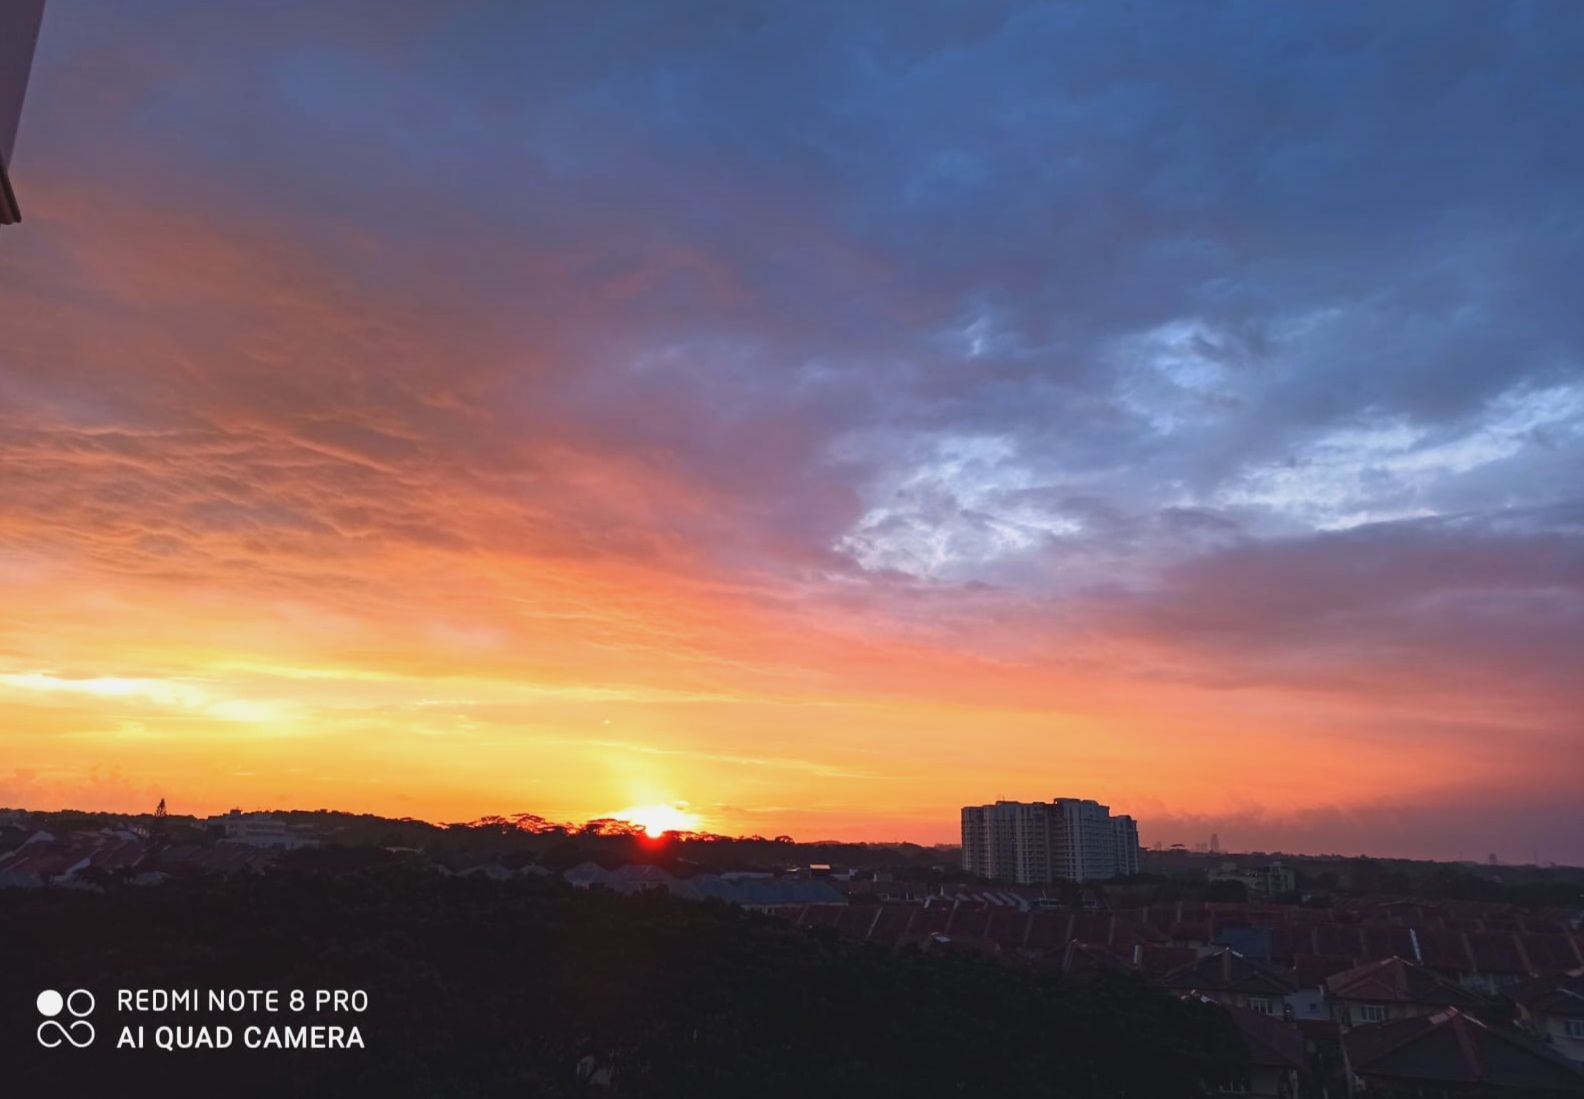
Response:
column 1231, row 892
column 481, row 988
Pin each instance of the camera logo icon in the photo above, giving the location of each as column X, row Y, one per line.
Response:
column 79, row 1032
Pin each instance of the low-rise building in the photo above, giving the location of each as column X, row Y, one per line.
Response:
column 1268, row 880
column 1453, row 1054
column 261, row 830
column 1392, row 989
column 1276, row 1056
column 1231, row 980
column 1552, row 1009
column 76, row 859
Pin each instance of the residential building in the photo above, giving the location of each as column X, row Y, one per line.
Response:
column 1231, row 980
column 261, row 830
column 1260, row 881
column 1086, row 847
column 1066, row 839
column 43, row 859
column 1391, row 989
column 1010, row 841
column 1276, row 1055
column 1082, row 960
column 1452, row 1053
column 1552, row 1009
column 1125, row 843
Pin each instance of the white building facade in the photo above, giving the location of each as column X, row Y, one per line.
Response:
column 1009, row 840
column 261, row 830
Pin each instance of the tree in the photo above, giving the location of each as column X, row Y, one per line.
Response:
column 1227, row 891
column 482, row 988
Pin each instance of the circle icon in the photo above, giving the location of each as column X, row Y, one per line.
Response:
column 50, row 1002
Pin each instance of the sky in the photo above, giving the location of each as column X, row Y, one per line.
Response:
column 815, row 416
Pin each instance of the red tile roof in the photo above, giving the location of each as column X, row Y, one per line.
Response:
column 1311, row 970
column 1451, row 1047
column 1559, row 995
column 1157, row 960
column 1271, row 1042
column 1398, row 981
column 1229, row 971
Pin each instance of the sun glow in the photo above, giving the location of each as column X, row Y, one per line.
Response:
column 657, row 820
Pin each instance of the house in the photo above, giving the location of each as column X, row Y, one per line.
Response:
column 1452, row 1054
column 773, row 896
column 1552, row 1009
column 1392, row 989
column 37, row 862
column 1251, row 942
column 223, row 857
column 494, row 871
column 624, row 879
column 76, row 860
column 1276, row 1055
column 1232, row 980
column 1309, row 974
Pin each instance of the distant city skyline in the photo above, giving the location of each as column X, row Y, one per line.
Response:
column 803, row 419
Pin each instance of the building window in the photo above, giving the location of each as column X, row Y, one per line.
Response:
column 1575, row 1029
column 1371, row 1013
column 1261, row 1005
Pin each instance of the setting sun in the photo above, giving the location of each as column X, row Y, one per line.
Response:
column 657, row 820
column 832, row 494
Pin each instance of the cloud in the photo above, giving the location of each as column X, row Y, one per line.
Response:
column 1033, row 358
column 1467, row 824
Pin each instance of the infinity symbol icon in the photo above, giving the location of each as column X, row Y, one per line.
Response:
column 82, row 1041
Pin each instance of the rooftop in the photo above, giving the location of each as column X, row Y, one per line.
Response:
column 1455, row 1048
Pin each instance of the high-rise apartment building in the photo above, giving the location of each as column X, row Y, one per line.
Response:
column 1030, row 842
column 1125, row 835
column 1009, row 840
